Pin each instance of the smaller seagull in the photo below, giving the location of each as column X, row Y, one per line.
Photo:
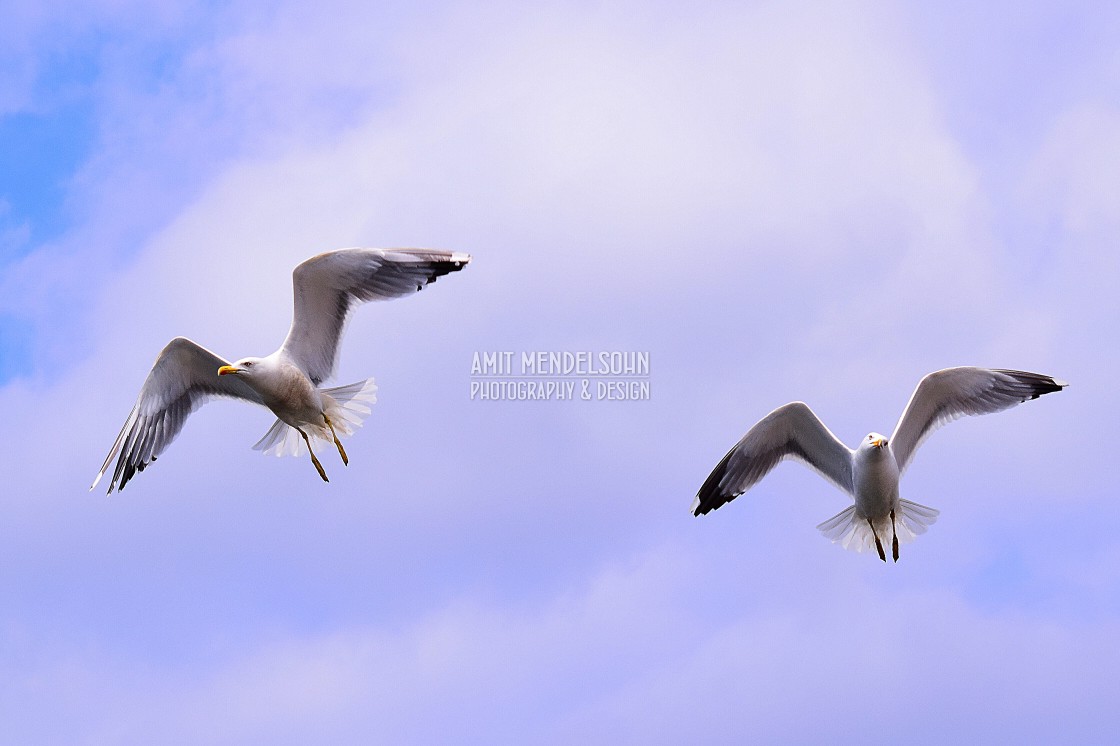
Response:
column 871, row 472
column 327, row 288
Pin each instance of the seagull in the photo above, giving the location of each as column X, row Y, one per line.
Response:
column 870, row 473
column 327, row 288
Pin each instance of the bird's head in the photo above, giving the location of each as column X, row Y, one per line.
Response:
column 246, row 366
column 875, row 441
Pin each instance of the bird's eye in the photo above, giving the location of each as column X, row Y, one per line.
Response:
column 248, row 363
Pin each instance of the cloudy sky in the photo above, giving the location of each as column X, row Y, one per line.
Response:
column 776, row 201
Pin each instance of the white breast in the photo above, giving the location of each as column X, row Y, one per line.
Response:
column 875, row 477
column 290, row 394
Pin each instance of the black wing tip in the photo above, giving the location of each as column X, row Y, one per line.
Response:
column 443, row 267
column 706, row 502
column 456, row 263
column 710, row 497
column 127, row 472
column 707, row 497
column 1039, row 384
column 701, row 506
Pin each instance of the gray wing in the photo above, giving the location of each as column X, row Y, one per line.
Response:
column 184, row 376
column 327, row 287
column 952, row 393
column 792, row 431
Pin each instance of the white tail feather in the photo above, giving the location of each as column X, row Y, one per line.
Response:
column 854, row 533
column 347, row 406
column 917, row 517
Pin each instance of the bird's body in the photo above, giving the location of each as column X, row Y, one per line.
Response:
column 874, row 479
column 326, row 287
column 870, row 474
column 287, row 391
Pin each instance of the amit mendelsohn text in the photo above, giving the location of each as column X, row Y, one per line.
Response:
column 542, row 363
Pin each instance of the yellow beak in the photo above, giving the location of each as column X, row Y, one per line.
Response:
column 878, row 442
column 225, row 369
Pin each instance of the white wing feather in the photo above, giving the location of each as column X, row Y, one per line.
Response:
column 185, row 376
column 952, row 393
column 327, row 287
column 791, row 431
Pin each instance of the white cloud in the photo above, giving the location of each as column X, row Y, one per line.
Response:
column 666, row 646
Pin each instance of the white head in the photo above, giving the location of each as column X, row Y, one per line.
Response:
column 873, row 441
column 246, row 367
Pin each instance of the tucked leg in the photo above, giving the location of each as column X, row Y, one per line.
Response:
column 314, row 460
column 337, row 442
column 878, row 544
column 894, row 541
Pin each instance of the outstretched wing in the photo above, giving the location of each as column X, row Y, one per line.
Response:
column 948, row 394
column 184, row 376
column 327, row 287
column 792, row 431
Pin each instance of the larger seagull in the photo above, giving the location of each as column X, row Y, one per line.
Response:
column 870, row 473
column 327, row 287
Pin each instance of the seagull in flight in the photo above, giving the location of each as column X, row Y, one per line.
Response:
column 870, row 473
column 327, row 288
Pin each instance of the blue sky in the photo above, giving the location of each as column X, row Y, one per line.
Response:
column 814, row 201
